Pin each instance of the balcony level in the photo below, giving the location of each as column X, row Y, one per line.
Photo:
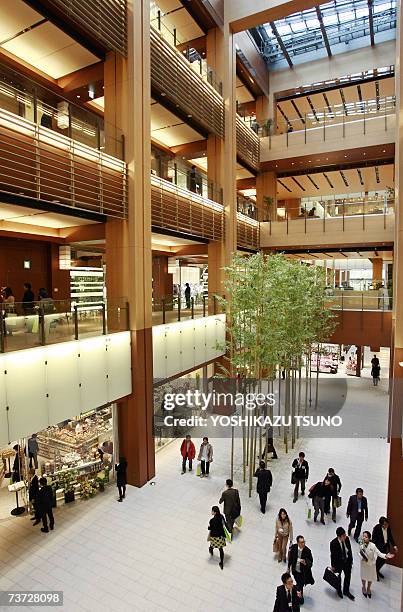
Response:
column 44, row 169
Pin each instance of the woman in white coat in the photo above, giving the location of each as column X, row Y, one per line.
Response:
column 369, row 554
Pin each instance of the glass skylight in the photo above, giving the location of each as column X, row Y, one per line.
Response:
column 344, row 21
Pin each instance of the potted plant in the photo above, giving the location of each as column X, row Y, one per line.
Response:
column 268, row 203
column 68, row 485
column 100, row 481
column 87, row 489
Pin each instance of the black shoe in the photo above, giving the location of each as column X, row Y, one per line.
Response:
column 36, row 522
column 356, row 539
column 369, row 595
column 314, row 519
column 52, row 527
column 349, row 532
column 350, row 596
column 263, row 510
column 221, row 564
column 380, row 575
column 323, row 522
column 340, row 594
column 294, row 501
column 32, row 518
column 302, row 492
column 120, row 499
column 44, row 530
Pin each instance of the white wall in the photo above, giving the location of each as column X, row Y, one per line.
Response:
column 185, row 345
column 45, row 385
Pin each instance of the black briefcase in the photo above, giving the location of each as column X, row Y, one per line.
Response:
column 332, row 578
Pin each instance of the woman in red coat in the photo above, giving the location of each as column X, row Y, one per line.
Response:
column 188, row 452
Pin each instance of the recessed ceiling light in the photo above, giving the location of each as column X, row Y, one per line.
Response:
column 346, row 156
column 78, row 97
column 364, row 154
column 384, row 151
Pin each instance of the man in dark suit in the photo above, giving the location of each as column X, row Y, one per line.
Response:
column 44, row 501
column 335, row 484
column 383, row 539
column 341, row 560
column 264, row 483
column 300, row 474
column 357, row 511
column 287, row 599
column 232, row 504
column 300, row 561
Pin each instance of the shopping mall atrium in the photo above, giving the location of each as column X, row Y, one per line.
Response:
column 200, row 236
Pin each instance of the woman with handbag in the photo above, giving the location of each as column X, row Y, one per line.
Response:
column 216, row 537
column 282, row 535
column 369, row 554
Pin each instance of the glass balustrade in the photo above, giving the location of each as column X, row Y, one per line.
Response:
column 172, row 308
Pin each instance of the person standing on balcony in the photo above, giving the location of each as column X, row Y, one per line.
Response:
column 28, row 299
column 187, row 295
column 193, row 180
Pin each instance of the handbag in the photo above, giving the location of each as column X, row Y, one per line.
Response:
column 337, row 502
column 332, row 578
column 276, row 545
column 293, row 478
column 239, row 521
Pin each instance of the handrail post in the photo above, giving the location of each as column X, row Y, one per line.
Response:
column 324, row 125
column 163, row 311
column 305, row 127
column 204, row 305
column 343, row 214
column 103, row 319
column 365, row 125
column 192, row 306
column 362, row 301
column 159, row 20
column 286, row 215
column 179, row 306
column 214, row 304
column 41, row 328
column 2, row 330
column 344, row 125
column 127, row 317
column 75, row 322
column 386, row 117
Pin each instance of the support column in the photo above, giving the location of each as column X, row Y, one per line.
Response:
column 266, row 187
column 377, row 270
column 395, row 498
column 128, row 242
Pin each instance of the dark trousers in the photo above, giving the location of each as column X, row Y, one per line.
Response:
column 357, row 523
column 263, row 500
column 297, row 483
column 184, row 463
column 205, row 466
column 230, row 522
column 122, row 491
column 45, row 514
column 346, row 569
column 33, row 457
column 299, row 580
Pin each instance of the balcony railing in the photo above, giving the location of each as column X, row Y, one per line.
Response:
column 27, row 325
column 247, row 143
column 185, row 212
column 193, row 179
column 338, row 121
column 247, row 206
column 27, row 100
column 171, row 308
column 41, row 165
column 326, row 212
column 248, row 232
column 173, row 78
column 360, row 300
column 102, row 22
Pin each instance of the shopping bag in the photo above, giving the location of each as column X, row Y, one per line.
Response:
column 332, row 578
column 228, row 535
column 239, row 521
column 337, row 502
column 198, row 470
column 276, row 545
column 309, row 514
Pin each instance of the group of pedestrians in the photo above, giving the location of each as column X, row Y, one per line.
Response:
column 205, row 456
column 221, row 527
column 41, row 498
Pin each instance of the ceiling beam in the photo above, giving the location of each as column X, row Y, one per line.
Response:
column 281, row 44
column 323, row 31
column 371, row 22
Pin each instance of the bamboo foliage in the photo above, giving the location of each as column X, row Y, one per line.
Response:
column 278, row 314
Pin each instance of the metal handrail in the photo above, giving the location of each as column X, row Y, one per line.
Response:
column 39, row 163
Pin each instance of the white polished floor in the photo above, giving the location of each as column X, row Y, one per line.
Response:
column 150, row 552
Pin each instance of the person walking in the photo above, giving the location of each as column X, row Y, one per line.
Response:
column 188, row 452
column 300, row 474
column 357, row 511
column 187, row 295
column 341, row 560
column 370, row 554
column 33, row 448
column 121, row 478
column 283, row 534
column 383, row 539
column 335, row 484
column 375, row 370
column 264, row 484
column 216, row 537
column 287, row 596
column 321, row 494
column 205, row 457
column 300, row 561
column 45, row 501
column 232, row 504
